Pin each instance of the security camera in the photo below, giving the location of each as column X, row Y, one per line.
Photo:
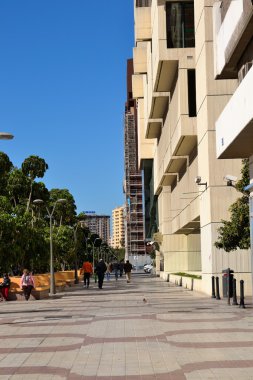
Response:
column 198, row 179
column 230, row 178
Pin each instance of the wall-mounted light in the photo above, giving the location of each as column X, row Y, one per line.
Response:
column 231, row 180
column 198, row 181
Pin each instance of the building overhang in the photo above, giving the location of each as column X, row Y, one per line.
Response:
column 190, row 228
column 165, row 75
column 168, row 179
column 154, row 127
column 234, row 127
column 232, row 36
column 159, row 105
column 176, row 163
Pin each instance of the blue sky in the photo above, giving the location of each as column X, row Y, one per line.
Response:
column 62, row 92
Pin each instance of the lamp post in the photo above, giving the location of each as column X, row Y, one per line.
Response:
column 50, row 215
column 6, row 136
column 81, row 222
column 93, row 252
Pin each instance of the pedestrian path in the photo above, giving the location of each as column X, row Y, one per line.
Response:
column 148, row 329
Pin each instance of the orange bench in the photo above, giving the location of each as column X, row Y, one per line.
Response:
column 67, row 277
column 42, row 285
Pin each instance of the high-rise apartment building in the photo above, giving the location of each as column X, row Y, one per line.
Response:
column 134, row 236
column 179, row 100
column 100, row 225
column 118, row 228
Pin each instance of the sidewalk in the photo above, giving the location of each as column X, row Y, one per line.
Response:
column 146, row 330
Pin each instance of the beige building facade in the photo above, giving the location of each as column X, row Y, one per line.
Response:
column 233, row 58
column 179, row 100
column 118, row 228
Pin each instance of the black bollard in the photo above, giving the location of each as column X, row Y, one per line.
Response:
column 192, row 284
column 234, row 293
column 213, row 287
column 181, row 281
column 242, row 305
column 217, row 289
column 228, row 285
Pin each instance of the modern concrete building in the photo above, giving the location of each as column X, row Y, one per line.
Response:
column 100, row 225
column 179, row 101
column 233, row 59
column 118, row 228
column 134, row 237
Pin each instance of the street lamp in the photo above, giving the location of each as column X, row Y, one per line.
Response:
column 81, row 222
column 50, row 215
column 93, row 245
column 6, row 136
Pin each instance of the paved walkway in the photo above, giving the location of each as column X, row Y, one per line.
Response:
column 147, row 329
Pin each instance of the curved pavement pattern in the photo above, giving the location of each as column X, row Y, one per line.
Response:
column 148, row 329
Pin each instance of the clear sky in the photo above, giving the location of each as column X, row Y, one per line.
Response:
column 62, row 92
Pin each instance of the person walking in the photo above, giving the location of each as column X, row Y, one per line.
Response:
column 27, row 283
column 121, row 268
column 100, row 271
column 87, row 271
column 127, row 268
column 116, row 268
column 108, row 271
column 5, row 286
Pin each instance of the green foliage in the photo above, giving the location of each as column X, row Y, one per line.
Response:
column 5, row 169
column 24, row 227
column 64, row 247
column 182, row 274
column 34, row 167
column 65, row 213
column 235, row 233
column 18, row 186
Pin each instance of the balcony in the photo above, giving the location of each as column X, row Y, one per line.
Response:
column 142, row 23
column 154, row 127
column 231, row 35
column 140, row 58
column 234, row 128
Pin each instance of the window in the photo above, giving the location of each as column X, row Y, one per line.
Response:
column 191, row 93
column 180, row 24
column 143, row 3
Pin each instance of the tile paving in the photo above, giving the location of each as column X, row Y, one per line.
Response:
column 148, row 329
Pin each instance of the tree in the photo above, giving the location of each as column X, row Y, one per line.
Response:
column 33, row 167
column 17, row 186
column 235, row 233
column 65, row 213
column 5, row 168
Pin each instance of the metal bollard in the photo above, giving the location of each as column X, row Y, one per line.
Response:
column 213, row 287
column 234, row 293
column 228, row 285
column 181, row 281
column 242, row 305
column 217, row 289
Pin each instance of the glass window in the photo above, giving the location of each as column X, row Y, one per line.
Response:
column 180, row 24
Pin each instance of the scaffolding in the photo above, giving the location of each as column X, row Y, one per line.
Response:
column 133, row 189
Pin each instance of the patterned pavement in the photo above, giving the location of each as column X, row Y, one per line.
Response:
column 146, row 330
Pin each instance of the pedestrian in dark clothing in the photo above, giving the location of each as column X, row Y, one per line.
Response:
column 5, row 286
column 116, row 268
column 127, row 268
column 100, row 271
column 121, row 268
